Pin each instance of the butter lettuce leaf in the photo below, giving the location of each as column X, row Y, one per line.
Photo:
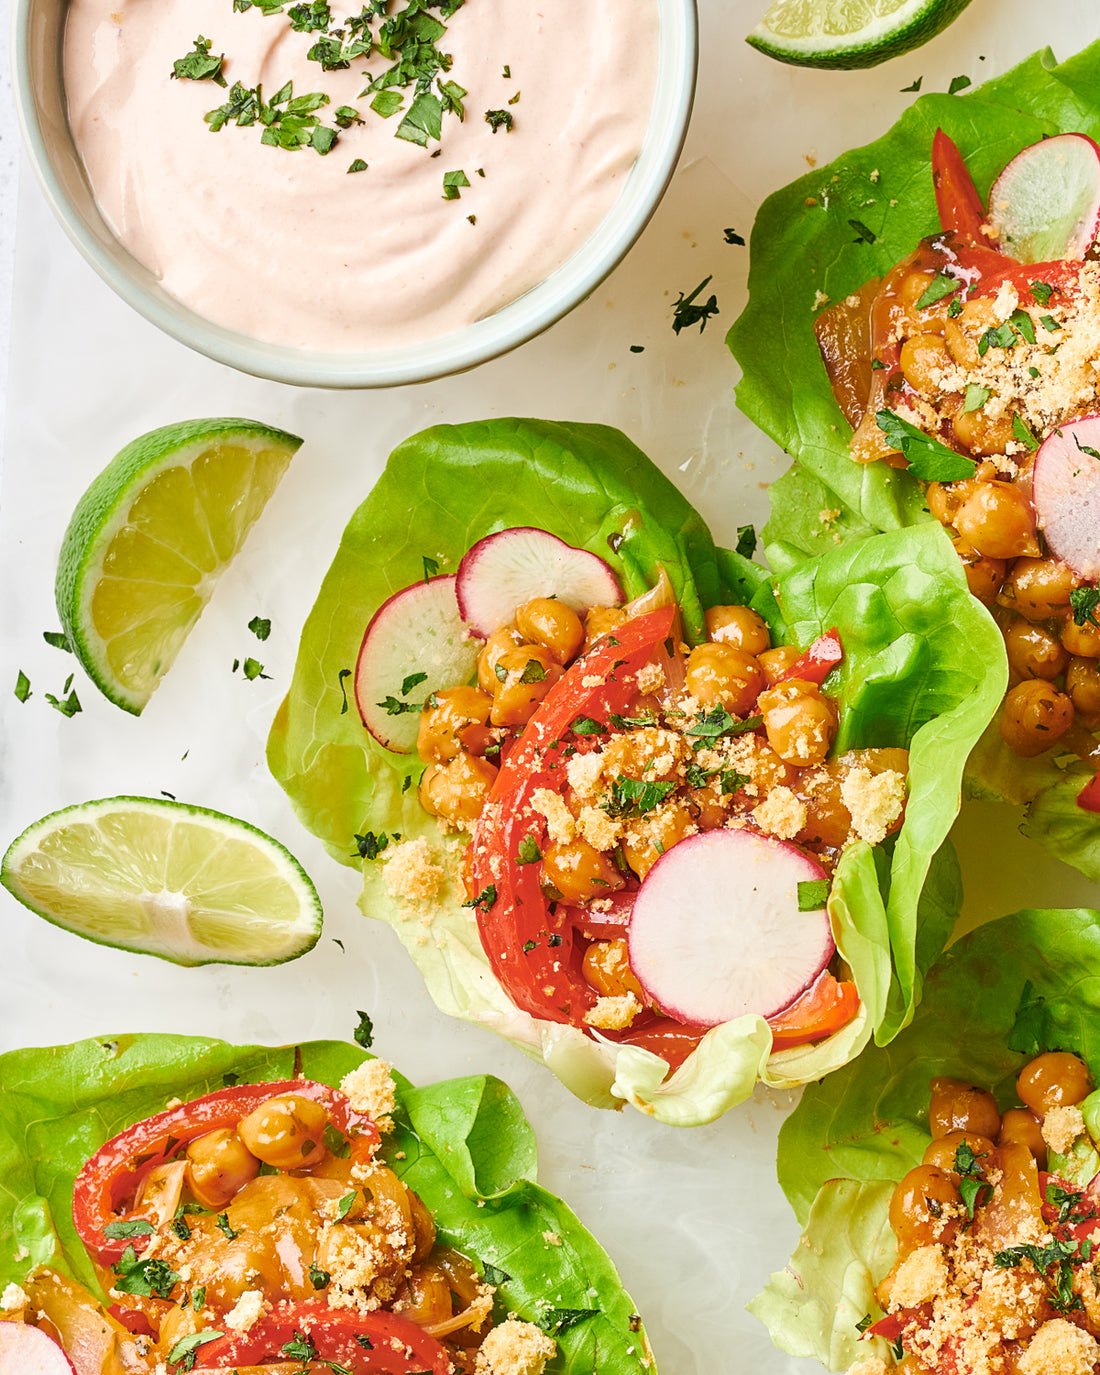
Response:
column 1030, row 981
column 915, row 674
column 804, row 252
column 463, row 1145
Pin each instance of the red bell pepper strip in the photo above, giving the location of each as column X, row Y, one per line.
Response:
column 815, row 665
column 960, row 207
column 1089, row 796
column 109, row 1179
column 825, row 1007
column 361, row 1343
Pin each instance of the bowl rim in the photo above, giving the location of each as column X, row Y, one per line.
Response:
column 445, row 355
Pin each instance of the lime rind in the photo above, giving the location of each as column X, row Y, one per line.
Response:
column 119, row 526
column 183, row 883
column 845, row 34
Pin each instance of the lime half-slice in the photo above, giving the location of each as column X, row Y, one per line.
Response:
column 849, row 33
column 167, row 879
column 149, row 538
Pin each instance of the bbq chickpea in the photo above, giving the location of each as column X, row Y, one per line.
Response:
column 601, row 621
column 923, row 360
column 960, row 1107
column 1083, row 686
column 1082, row 640
column 446, row 716
column 917, row 1208
column 775, row 662
column 738, row 626
column 1033, row 651
column 287, row 1131
column 984, row 576
column 548, row 622
column 941, row 1152
column 1034, row 717
column 800, row 721
column 1055, row 1080
column 1038, row 588
column 1020, row 1127
column 720, row 674
column 524, row 674
column 981, row 433
column 996, row 520
column 579, row 871
column 507, row 637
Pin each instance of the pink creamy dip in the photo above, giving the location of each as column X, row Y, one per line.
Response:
column 289, row 246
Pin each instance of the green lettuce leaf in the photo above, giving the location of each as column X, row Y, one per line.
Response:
column 804, row 249
column 463, row 1145
column 1001, row 995
column 915, row 674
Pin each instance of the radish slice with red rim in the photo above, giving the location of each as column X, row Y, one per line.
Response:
column 1046, row 203
column 504, row 571
column 1066, row 494
column 415, row 644
column 716, row 930
column 26, row 1350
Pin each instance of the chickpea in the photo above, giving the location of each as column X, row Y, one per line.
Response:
column 458, row 789
column 982, row 433
column 601, row 621
column 607, row 968
column 1033, row 652
column 942, row 1151
column 1038, row 588
column 913, row 286
column 546, row 621
column 505, row 638
column 945, row 499
column 738, row 626
column 646, row 840
column 962, row 333
column 960, row 1107
column 996, row 520
column 219, row 1165
column 923, row 358
column 1054, row 1080
column 984, row 576
column 287, row 1131
column 445, row 718
column 775, row 662
column 1034, row 717
column 800, row 721
column 1083, row 686
column 579, row 871
column 828, row 820
column 525, row 674
column 720, row 674
column 1082, row 640
column 917, row 1207
column 1020, row 1127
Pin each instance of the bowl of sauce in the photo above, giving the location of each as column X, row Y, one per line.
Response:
column 354, row 200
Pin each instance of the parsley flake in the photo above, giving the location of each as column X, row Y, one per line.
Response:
column 200, row 64
column 686, row 312
column 813, row 894
column 928, row 459
column 363, row 1035
column 732, row 236
column 22, row 686
column 499, row 119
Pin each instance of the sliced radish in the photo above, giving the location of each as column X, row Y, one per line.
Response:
column 1066, row 493
column 28, row 1351
column 418, row 631
column 502, row 571
column 1046, row 203
column 716, row 931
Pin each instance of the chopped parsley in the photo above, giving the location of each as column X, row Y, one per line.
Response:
column 940, row 286
column 260, row 627
column 1049, row 323
column 253, row 669
column 632, row 797
column 1085, row 449
column 363, row 1035
column 586, row 725
column 58, row 640
column 200, row 64
column 369, row 845
column 1055, row 1265
column 357, row 165
column 957, row 84
column 813, row 894
column 863, row 234
column 495, row 1276
column 183, row 1353
column 533, row 672
column 344, row 674
column 1023, row 324
column 529, row 852
column 320, row 1279
column 732, row 236
column 499, row 119
column 393, row 706
column 972, row 1180
column 976, row 397
column 686, row 311
column 928, row 459
column 453, row 183
column 1083, row 602
column 344, row 1206
column 224, row 1226
column 1022, row 431
column 905, row 91
column 150, row 1278
column 129, row 1227
column 997, row 337
column 431, row 567
column 711, row 725
column 558, row 1320
column 484, row 900
column 746, row 541
column 68, row 704
column 1041, row 292
column 22, row 686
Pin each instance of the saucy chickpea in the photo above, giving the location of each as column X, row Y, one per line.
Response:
column 1082, row 640
column 917, row 1208
column 1034, row 717
column 445, row 718
column 923, row 359
column 775, row 662
column 458, row 789
column 579, row 871
column 607, row 968
column 720, row 674
column 287, row 1131
column 525, row 674
column 1055, row 1080
column 1083, row 685
column 219, row 1165
column 601, row 621
column 1033, row 651
column 738, row 626
column 981, row 433
column 942, row 1151
column 507, row 637
column 1038, row 588
column 984, row 575
column 996, row 521
column 550, row 623
column 800, row 721
column 1020, row 1126
column 960, row 1107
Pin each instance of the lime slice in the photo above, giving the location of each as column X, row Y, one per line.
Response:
column 850, row 33
column 167, row 879
column 149, row 538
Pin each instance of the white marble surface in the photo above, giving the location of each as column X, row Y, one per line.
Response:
column 9, row 183
column 693, row 1218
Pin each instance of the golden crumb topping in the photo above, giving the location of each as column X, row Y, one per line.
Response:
column 514, row 1348
column 370, row 1089
column 413, row 872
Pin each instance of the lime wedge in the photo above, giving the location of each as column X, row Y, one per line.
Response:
column 167, row 879
column 149, row 538
column 849, row 33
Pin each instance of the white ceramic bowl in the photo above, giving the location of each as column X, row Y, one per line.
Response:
column 40, row 101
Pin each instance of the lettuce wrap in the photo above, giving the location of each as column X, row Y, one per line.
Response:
column 1006, row 992
column 915, row 673
column 821, row 238
column 463, row 1145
